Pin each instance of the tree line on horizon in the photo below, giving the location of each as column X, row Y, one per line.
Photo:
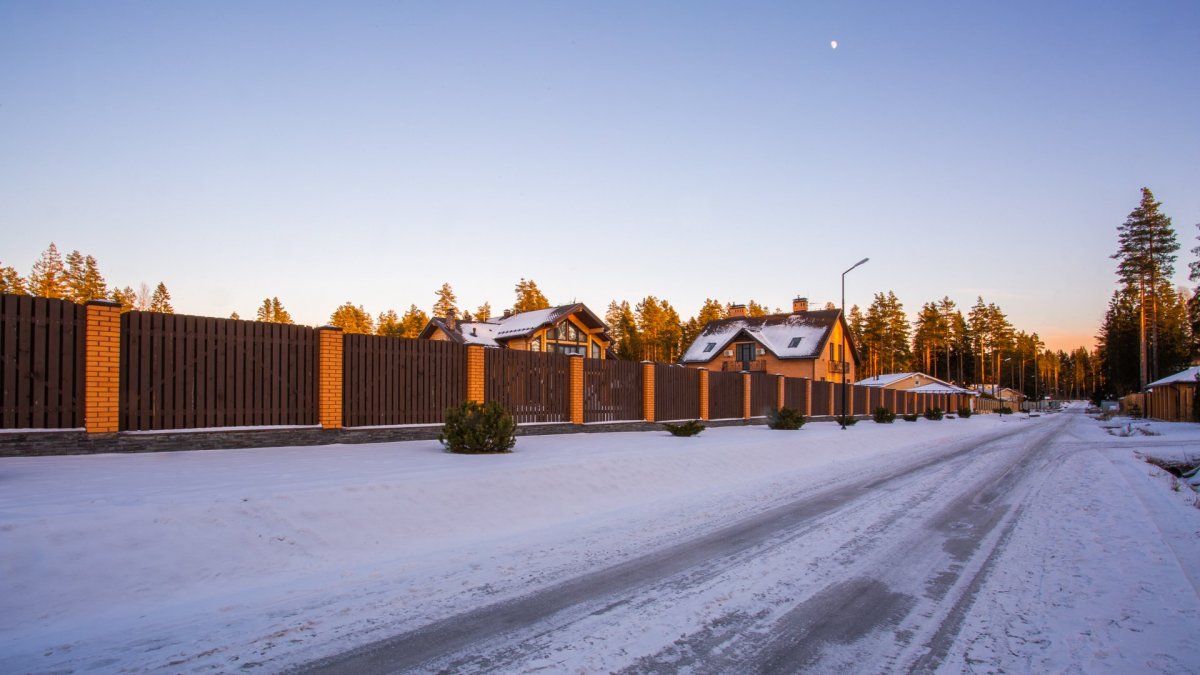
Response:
column 77, row 279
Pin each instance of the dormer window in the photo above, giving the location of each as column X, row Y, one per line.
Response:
column 709, row 347
column 794, row 343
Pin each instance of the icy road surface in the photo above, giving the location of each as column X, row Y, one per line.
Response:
column 980, row 545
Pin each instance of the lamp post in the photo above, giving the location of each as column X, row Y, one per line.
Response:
column 847, row 324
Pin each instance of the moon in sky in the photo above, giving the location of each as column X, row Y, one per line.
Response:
column 833, row 44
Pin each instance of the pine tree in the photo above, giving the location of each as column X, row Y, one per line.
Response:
column 445, row 302
column 161, row 300
column 271, row 311
column 48, row 278
column 484, row 312
column 1145, row 255
column 388, row 324
column 84, row 281
column 235, row 316
column 529, row 297
column 929, row 338
column 711, row 310
column 755, row 309
column 11, row 282
column 413, row 322
column 352, row 319
column 126, row 297
column 1194, row 301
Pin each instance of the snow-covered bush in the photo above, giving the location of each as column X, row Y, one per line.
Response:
column 933, row 413
column 964, row 412
column 847, row 420
column 910, row 418
column 786, row 418
column 689, row 428
column 1004, row 410
column 883, row 415
column 472, row 428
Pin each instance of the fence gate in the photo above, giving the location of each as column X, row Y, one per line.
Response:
column 533, row 386
column 676, row 392
column 612, row 390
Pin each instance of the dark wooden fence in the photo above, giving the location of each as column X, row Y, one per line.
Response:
column 822, row 392
column 862, row 399
column 41, row 363
column 533, row 386
column 794, row 395
column 724, row 395
column 676, row 393
column 764, row 393
column 390, row 380
column 612, row 390
column 188, row 372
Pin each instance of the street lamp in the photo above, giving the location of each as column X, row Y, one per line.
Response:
column 847, row 323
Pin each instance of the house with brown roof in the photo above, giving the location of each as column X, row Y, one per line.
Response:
column 805, row 343
column 568, row 329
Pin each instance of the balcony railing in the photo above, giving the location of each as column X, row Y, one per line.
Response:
column 759, row 366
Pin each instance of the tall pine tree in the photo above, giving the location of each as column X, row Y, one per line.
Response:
column 48, row 278
column 445, row 302
column 529, row 297
column 161, row 300
column 11, row 281
column 352, row 319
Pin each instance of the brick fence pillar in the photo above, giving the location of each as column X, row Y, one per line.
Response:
column 745, row 395
column 850, row 392
column 475, row 388
column 648, row 391
column 102, row 367
column 703, row 394
column 781, row 393
column 832, row 399
column 576, row 389
column 329, row 382
column 807, row 398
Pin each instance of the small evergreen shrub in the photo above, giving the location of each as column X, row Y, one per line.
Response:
column 475, row 429
column 786, row 418
column 933, row 413
column 848, row 420
column 884, row 416
column 1004, row 410
column 1135, row 411
column 910, row 418
column 964, row 413
column 689, row 428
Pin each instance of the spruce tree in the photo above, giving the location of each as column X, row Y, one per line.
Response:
column 161, row 300
column 1194, row 301
column 48, row 278
column 483, row 312
column 529, row 298
column 11, row 282
column 630, row 346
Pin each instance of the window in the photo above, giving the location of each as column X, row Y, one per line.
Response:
column 595, row 351
column 794, row 343
column 535, row 345
column 709, row 347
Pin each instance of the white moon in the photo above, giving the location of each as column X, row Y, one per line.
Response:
column 833, row 44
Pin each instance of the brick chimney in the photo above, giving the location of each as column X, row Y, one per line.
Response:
column 452, row 319
column 799, row 305
column 737, row 310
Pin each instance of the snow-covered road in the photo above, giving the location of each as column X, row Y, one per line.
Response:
column 974, row 545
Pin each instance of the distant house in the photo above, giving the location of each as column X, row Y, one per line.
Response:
column 804, row 343
column 919, row 383
column 1172, row 398
column 569, row 329
column 1008, row 397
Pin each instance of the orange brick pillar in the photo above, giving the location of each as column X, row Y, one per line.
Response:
column 102, row 368
column 648, row 391
column 849, row 399
column 781, row 395
column 808, row 398
column 745, row 395
column 475, row 389
column 329, row 382
column 703, row 394
column 577, row 389
column 832, row 399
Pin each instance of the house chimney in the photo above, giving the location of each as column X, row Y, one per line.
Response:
column 799, row 305
column 737, row 310
column 451, row 318
column 507, row 313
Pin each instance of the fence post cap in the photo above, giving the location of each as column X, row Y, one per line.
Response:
column 575, row 356
column 651, row 362
column 328, row 327
column 102, row 303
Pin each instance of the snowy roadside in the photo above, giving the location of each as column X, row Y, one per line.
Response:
column 229, row 559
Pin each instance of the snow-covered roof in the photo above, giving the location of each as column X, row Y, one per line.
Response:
column 1188, row 376
column 888, row 378
column 941, row 388
column 800, row 335
column 494, row 331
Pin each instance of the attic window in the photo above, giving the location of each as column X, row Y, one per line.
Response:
column 709, row 347
column 795, row 342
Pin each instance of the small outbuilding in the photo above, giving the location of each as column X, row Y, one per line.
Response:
column 1173, row 398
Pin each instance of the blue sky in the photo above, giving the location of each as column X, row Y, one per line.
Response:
column 325, row 152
